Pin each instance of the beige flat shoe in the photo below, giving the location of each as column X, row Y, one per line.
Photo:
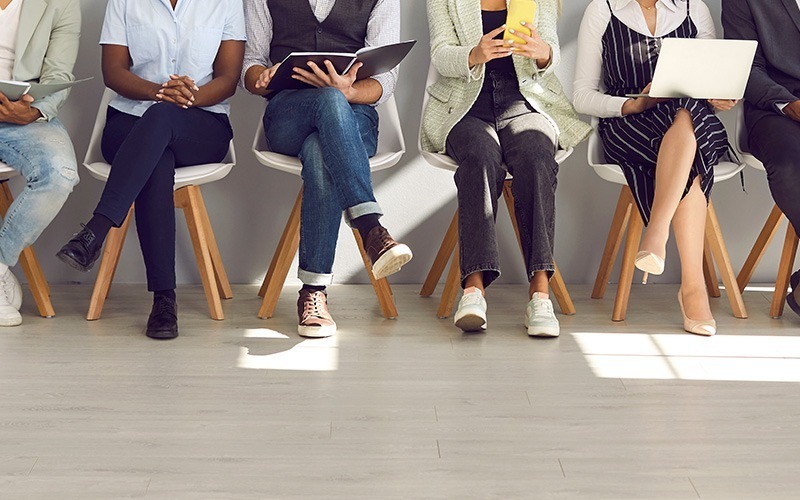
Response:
column 649, row 263
column 706, row 327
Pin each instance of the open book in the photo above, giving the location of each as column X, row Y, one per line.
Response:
column 14, row 90
column 375, row 60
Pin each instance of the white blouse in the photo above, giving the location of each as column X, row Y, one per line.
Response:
column 9, row 20
column 588, row 98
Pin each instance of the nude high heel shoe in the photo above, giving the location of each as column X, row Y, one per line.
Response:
column 707, row 327
column 649, row 263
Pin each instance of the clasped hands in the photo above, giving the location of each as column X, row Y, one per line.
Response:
column 179, row 90
column 642, row 104
column 490, row 48
column 317, row 77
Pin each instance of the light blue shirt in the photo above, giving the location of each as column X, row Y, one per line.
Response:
column 163, row 41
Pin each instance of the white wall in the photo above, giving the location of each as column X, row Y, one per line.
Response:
column 249, row 208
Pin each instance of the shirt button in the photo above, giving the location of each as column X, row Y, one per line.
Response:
column 173, row 60
column 319, row 30
column 174, row 41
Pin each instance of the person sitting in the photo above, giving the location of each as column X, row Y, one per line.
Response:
column 332, row 126
column 173, row 65
column 38, row 43
column 667, row 148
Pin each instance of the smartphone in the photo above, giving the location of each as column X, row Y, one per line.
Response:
column 518, row 11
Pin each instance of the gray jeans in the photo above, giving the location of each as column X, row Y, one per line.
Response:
column 503, row 133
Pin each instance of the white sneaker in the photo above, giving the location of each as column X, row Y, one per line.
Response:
column 540, row 319
column 10, row 299
column 471, row 313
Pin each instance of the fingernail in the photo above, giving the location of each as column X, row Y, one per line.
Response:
column 196, row 87
column 511, row 31
column 185, row 107
column 522, row 23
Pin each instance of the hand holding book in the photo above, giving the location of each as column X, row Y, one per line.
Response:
column 329, row 77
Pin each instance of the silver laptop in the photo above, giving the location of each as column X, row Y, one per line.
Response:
column 702, row 69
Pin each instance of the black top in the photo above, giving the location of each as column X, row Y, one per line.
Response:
column 493, row 19
column 344, row 30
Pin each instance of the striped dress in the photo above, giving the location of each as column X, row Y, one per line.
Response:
column 633, row 141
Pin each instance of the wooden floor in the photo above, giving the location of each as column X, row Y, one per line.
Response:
column 410, row 408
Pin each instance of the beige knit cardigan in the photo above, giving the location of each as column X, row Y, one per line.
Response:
column 456, row 27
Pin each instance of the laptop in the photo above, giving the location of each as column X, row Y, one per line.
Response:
column 702, row 69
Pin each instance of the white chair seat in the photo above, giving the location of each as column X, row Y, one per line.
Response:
column 613, row 173
column 7, row 172
column 391, row 145
column 194, row 175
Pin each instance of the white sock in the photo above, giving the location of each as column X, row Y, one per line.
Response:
column 540, row 295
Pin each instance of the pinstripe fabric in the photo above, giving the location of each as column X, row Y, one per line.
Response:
column 633, row 141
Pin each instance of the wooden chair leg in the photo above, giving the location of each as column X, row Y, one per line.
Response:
column 30, row 264
column 442, row 258
column 381, row 286
column 223, row 284
column 559, row 287
column 561, row 293
column 188, row 198
column 281, row 261
column 451, row 286
column 709, row 272
column 108, row 266
column 619, row 223
column 721, row 257
column 632, row 240
column 759, row 248
column 784, row 273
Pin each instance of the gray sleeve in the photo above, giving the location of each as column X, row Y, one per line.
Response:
column 258, row 23
column 383, row 29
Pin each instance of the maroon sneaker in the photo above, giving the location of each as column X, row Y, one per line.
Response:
column 387, row 255
column 315, row 320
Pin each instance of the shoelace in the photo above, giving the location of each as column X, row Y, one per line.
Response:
column 86, row 237
column 313, row 304
column 542, row 307
column 471, row 299
column 162, row 307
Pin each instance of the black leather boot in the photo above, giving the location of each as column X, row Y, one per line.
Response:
column 163, row 321
column 82, row 251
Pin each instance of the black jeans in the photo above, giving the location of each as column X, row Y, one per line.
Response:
column 775, row 140
column 503, row 131
column 144, row 153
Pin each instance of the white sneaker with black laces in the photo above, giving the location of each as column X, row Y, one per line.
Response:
column 10, row 299
column 540, row 319
column 471, row 313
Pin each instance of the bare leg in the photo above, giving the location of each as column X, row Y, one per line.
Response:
column 475, row 280
column 675, row 159
column 689, row 225
column 539, row 283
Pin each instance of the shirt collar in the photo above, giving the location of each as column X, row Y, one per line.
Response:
column 669, row 4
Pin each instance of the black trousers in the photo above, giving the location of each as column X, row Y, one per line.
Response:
column 775, row 141
column 502, row 130
column 144, row 152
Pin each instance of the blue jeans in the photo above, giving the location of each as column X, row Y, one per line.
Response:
column 334, row 140
column 42, row 153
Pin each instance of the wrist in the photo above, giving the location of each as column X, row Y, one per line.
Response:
column 472, row 59
column 631, row 107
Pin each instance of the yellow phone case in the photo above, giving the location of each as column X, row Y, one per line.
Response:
column 518, row 11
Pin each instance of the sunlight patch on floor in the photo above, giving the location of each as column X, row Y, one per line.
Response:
column 308, row 355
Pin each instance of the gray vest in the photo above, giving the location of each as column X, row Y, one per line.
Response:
column 296, row 29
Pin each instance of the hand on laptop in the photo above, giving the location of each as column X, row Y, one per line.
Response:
column 723, row 104
column 792, row 110
column 640, row 104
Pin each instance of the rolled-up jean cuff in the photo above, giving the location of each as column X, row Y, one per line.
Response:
column 488, row 277
column 369, row 207
column 314, row 279
column 550, row 268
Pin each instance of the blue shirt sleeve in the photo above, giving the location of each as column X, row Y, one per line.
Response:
column 114, row 32
column 234, row 24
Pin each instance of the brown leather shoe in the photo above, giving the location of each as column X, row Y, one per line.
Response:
column 315, row 320
column 387, row 255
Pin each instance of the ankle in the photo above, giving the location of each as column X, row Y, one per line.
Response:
column 540, row 295
column 164, row 294
column 100, row 225
column 365, row 224
column 473, row 289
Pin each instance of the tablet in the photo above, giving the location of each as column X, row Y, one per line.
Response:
column 14, row 90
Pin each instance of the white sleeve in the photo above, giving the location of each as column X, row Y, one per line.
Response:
column 703, row 20
column 587, row 97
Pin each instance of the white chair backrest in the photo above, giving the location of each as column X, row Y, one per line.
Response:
column 94, row 153
column 390, row 131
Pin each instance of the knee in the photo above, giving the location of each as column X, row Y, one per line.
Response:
column 532, row 157
column 783, row 168
column 683, row 125
column 161, row 115
column 331, row 104
column 57, row 178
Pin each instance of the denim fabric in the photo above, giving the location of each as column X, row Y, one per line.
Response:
column 144, row 153
column 334, row 140
column 42, row 153
column 775, row 140
column 503, row 131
